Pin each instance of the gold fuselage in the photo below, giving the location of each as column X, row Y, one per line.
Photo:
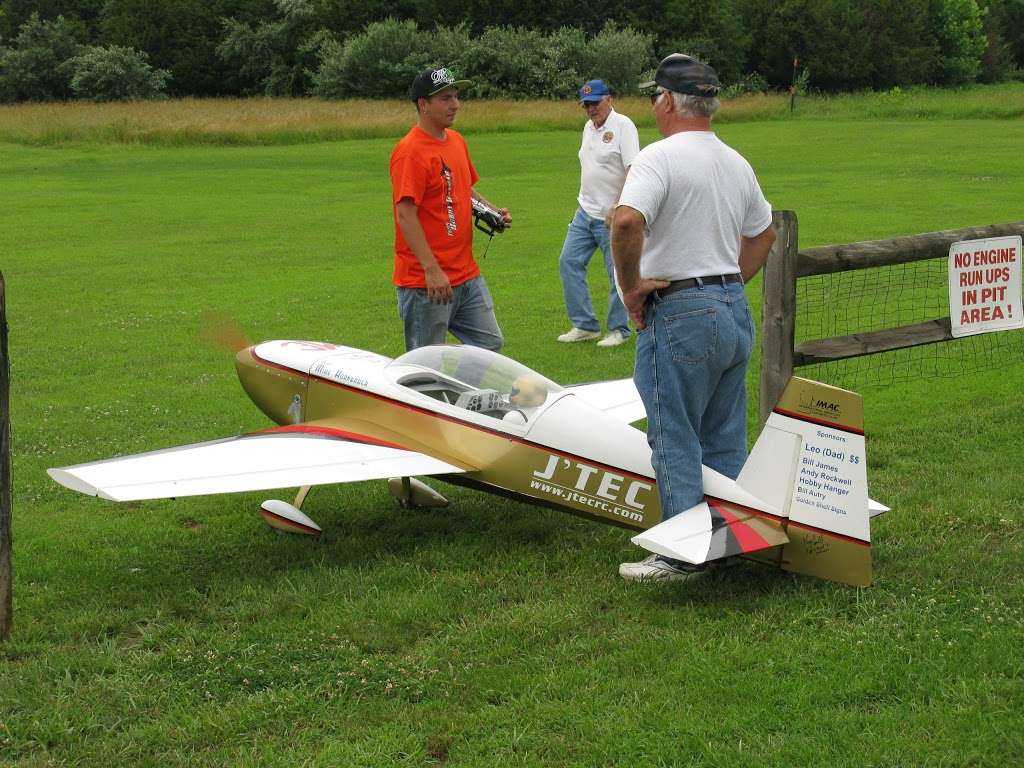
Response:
column 495, row 460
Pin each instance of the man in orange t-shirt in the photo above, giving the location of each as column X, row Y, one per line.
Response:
column 440, row 288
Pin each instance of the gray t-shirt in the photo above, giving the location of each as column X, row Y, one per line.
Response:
column 698, row 196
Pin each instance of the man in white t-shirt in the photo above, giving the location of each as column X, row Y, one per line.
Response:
column 610, row 142
column 691, row 227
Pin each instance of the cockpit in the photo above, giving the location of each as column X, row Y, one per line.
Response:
column 475, row 379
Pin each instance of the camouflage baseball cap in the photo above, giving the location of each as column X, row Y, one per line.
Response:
column 684, row 74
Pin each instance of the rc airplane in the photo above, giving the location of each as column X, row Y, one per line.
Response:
column 475, row 418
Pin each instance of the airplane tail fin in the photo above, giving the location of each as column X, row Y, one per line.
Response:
column 801, row 500
column 809, row 464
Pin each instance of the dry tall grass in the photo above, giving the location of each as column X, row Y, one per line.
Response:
column 251, row 121
column 276, row 121
column 289, row 121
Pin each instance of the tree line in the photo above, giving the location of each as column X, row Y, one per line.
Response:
column 60, row 49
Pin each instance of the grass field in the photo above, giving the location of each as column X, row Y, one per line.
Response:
column 491, row 633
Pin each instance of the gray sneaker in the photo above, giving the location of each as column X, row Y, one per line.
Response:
column 578, row 334
column 659, row 568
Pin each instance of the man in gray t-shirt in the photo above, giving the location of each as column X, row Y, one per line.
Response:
column 691, row 227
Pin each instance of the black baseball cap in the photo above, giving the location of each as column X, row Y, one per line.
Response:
column 684, row 74
column 434, row 80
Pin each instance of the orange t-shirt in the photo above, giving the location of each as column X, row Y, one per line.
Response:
column 438, row 177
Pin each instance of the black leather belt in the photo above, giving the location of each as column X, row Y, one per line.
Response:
column 693, row 282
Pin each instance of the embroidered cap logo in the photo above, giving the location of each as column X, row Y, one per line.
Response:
column 442, row 76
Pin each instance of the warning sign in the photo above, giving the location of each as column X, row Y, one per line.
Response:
column 985, row 286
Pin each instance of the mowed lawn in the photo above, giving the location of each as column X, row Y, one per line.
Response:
column 489, row 633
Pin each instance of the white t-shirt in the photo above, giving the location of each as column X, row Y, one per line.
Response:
column 605, row 155
column 698, row 196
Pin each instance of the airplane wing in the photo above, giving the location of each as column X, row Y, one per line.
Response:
column 282, row 457
column 618, row 398
column 712, row 530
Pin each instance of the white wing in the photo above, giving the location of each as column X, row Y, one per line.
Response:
column 618, row 398
column 282, row 458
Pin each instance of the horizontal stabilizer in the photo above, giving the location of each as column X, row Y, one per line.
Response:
column 711, row 530
column 876, row 508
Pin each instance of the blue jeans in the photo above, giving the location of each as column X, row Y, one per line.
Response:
column 470, row 317
column 691, row 366
column 586, row 235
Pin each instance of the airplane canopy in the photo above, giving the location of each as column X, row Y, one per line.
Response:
column 490, row 382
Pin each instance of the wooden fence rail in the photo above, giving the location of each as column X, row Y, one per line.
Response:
column 6, row 585
column 786, row 264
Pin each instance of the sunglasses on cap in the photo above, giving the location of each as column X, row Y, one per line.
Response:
column 655, row 94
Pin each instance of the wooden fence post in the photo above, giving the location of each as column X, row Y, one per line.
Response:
column 778, row 314
column 6, row 601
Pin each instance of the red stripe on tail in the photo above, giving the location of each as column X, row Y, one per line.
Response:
column 748, row 539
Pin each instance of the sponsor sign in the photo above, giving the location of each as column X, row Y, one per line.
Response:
column 828, row 482
column 985, row 286
column 830, row 488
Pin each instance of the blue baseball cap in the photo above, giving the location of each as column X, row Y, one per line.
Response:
column 593, row 91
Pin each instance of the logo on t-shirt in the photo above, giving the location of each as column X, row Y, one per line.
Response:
column 607, row 137
column 449, row 201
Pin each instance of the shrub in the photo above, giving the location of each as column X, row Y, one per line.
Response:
column 569, row 61
column 622, row 55
column 116, row 73
column 511, row 62
column 382, row 61
column 751, row 82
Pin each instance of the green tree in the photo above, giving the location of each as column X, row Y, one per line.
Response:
column 274, row 57
column 848, row 45
column 901, row 49
column 712, row 31
column 960, row 35
column 1008, row 17
column 36, row 67
column 82, row 13
column 178, row 35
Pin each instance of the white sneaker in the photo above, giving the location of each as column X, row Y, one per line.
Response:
column 658, row 568
column 613, row 339
column 578, row 334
